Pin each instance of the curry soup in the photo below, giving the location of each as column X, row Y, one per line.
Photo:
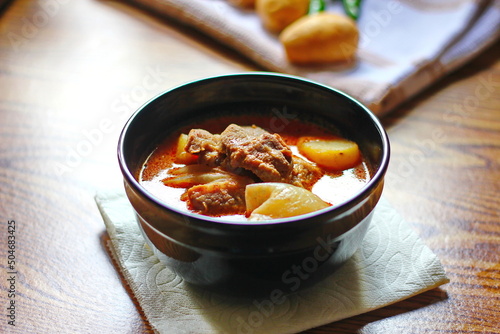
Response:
column 290, row 143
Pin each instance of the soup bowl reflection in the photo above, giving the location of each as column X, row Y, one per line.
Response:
column 236, row 257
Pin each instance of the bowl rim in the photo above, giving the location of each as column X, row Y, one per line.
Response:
column 375, row 180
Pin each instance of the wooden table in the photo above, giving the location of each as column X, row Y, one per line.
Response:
column 71, row 73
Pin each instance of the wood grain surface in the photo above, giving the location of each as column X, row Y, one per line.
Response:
column 71, row 72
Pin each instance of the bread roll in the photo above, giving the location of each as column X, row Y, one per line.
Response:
column 277, row 14
column 320, row 38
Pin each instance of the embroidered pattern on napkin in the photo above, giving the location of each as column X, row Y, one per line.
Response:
column 392, row 264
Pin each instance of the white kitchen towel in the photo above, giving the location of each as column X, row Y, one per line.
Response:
column 391, row 265
column 405, row 45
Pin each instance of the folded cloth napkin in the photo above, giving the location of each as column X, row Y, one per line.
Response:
column 405, row 45
column 391, row 265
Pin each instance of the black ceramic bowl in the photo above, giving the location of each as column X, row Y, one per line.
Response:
column 281, row 255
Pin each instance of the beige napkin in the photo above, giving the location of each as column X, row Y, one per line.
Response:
column 405, row 45
column 391, row 265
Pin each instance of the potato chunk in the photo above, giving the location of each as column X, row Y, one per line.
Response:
column 272, row 200
column 333, row 152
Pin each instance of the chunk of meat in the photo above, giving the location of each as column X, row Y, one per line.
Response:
column 264, row 154
column 305, row 173
column 210, row 190
column 221, row 197
column 207, row 146
column 250, row 148
column 240, row 149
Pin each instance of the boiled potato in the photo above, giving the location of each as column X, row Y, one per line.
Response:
column 320, row 38
column 277, row 14
column 332, row 152
column 272, row 200
column 181, row 156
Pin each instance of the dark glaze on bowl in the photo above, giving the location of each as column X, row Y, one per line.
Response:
column 277, row 256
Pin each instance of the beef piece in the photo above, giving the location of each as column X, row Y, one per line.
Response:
column 264, row 154
column 217, row 198
column 305, row 174
column 207, row 146
column 244, row 149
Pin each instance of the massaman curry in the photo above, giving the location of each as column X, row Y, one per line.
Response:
column 246, row 171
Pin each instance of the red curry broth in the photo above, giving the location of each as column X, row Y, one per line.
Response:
column 334, row 187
